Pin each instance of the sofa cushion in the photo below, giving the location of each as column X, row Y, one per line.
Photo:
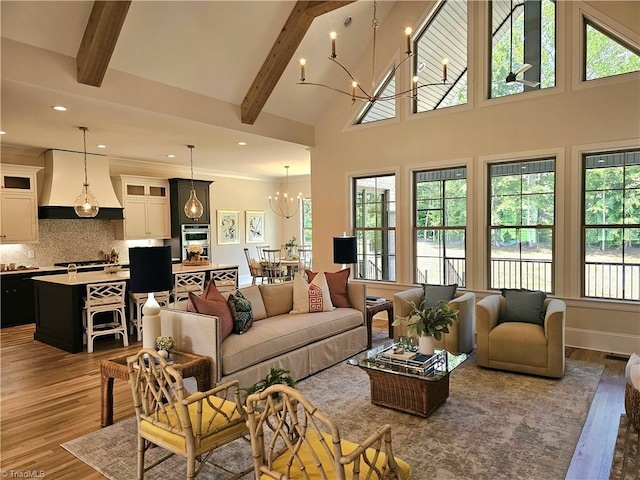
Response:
column 434, row 294
column 311, row 297
column 280, row 334
column 241, row 311
column 253, row 294
column 523, row 305
column 337, row 282
column 277, row 298
column 215, row 306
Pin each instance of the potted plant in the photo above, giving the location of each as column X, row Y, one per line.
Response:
column 428, row 323
column 275, row 376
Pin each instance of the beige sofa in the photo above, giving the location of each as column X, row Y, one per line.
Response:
column 304, row 344
column 461, row 335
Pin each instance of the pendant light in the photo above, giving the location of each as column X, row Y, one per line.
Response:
column 86, row 205
column 193, row 208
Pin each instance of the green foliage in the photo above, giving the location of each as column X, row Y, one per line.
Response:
column 275, row 376
column 606, row 57
column 429, row 321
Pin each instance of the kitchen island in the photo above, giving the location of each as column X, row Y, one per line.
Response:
column 59, row 302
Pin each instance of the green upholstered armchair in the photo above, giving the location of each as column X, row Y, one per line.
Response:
column 517, row 346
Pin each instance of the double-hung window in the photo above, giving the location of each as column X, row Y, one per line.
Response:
column 521, row 231
column 440, row 220
column 306, row 221
column 374, row 203
column 611, row 215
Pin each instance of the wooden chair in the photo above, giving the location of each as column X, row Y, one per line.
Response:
column 260, row 250
column 302, row 442
column 101, row 298
column 304, row 259
column 272, row 266
column 255, row 268
column 225, row 280
column 192, row 426
column 136, row 302
column 187, row 282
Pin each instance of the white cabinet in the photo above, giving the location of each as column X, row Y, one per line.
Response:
column 18, row 204
column 146, row 207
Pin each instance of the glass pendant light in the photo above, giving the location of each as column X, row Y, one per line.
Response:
column 193, row 208
column 86, row 205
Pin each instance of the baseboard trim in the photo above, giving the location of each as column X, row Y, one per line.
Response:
column 602, row 341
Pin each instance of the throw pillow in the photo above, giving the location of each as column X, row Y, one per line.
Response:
column 311, row 297
column 241, row 311
column 216, row 307
column 337, row 282
column 523, row 305
column 434, row 294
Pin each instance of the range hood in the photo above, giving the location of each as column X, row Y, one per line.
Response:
column 63, row 179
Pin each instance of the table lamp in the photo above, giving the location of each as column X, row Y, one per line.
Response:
column 150, row 271
column 345, row 250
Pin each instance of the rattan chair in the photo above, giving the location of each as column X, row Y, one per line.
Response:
column 302, row 442
column 192, row 426
column 185, row 283
column 103, row 298
column 136, row 302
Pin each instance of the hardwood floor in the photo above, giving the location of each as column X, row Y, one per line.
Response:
column 48, row 397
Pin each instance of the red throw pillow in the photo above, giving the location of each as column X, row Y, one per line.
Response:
column 337, row 282
column 217, row 307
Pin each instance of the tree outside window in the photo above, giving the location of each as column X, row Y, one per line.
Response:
column 522, row 216
column 440, row 213
column 606, row 56
column 306, row 221
column 374, row 217
column 612, row 225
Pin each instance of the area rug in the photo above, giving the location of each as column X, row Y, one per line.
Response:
column 626, row 457
column 494, row 425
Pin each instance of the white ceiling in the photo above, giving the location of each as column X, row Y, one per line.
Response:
column 177, row 76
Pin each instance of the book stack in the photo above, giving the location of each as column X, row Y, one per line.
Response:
column 411, row 362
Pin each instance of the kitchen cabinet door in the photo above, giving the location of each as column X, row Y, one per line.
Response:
column 19, row 218
column 135, row 218
column 157, row 219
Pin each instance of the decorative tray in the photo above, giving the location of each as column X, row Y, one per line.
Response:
column 195, row 263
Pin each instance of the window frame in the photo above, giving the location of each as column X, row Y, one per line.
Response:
column 443, row 228
column 553, row 227
column 360, row 271
column 303, row 228
column 583, row 226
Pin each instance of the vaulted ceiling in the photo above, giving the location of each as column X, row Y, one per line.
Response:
column 153, row 77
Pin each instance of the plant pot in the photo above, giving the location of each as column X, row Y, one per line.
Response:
column 426, row 345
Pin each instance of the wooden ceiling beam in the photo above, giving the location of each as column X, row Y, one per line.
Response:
column 281, row 53
column 99, row 40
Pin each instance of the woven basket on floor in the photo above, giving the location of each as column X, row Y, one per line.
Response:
column 632, row 405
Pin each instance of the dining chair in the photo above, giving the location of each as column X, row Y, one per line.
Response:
column 192, row 426
column 255, row 268
column 304, row 259
column 187, row 282
column 291, row 438
column 272, row 265
column 260, row 250
column 103, row 298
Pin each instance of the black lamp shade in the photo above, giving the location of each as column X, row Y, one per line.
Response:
column 150, row 269
column 345, row 250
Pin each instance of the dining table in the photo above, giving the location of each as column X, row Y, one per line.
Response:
column 59, row 301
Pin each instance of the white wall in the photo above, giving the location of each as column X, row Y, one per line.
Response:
column 564, row 122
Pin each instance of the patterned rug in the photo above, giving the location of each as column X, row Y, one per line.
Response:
column 626, row 457
column 494, row 425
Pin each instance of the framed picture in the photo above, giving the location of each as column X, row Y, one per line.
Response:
column 228, row 226
column 254, row 226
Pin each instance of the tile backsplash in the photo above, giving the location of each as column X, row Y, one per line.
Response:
column 71, row 240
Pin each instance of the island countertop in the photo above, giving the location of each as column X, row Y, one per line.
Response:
column 84, row 278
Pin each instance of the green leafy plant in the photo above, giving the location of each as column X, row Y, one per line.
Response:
column 275, row 376
column 426, row 321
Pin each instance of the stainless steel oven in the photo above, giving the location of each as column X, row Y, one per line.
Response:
column 193, row 234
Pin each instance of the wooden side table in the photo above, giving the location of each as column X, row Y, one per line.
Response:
column 193, row 365
column 377, row 307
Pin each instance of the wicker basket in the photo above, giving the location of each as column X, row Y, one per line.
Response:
column 632, row 405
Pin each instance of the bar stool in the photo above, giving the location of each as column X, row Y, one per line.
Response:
column 225, row 280
column 187, row 282
column 105, row 297
column 136, row 302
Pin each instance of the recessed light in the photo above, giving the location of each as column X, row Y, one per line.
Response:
column 60, row 108
column 101, row 146
column 2, row 132
column 242, row 144
column 171, row 155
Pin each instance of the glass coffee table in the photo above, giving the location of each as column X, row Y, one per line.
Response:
column 413, row 386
